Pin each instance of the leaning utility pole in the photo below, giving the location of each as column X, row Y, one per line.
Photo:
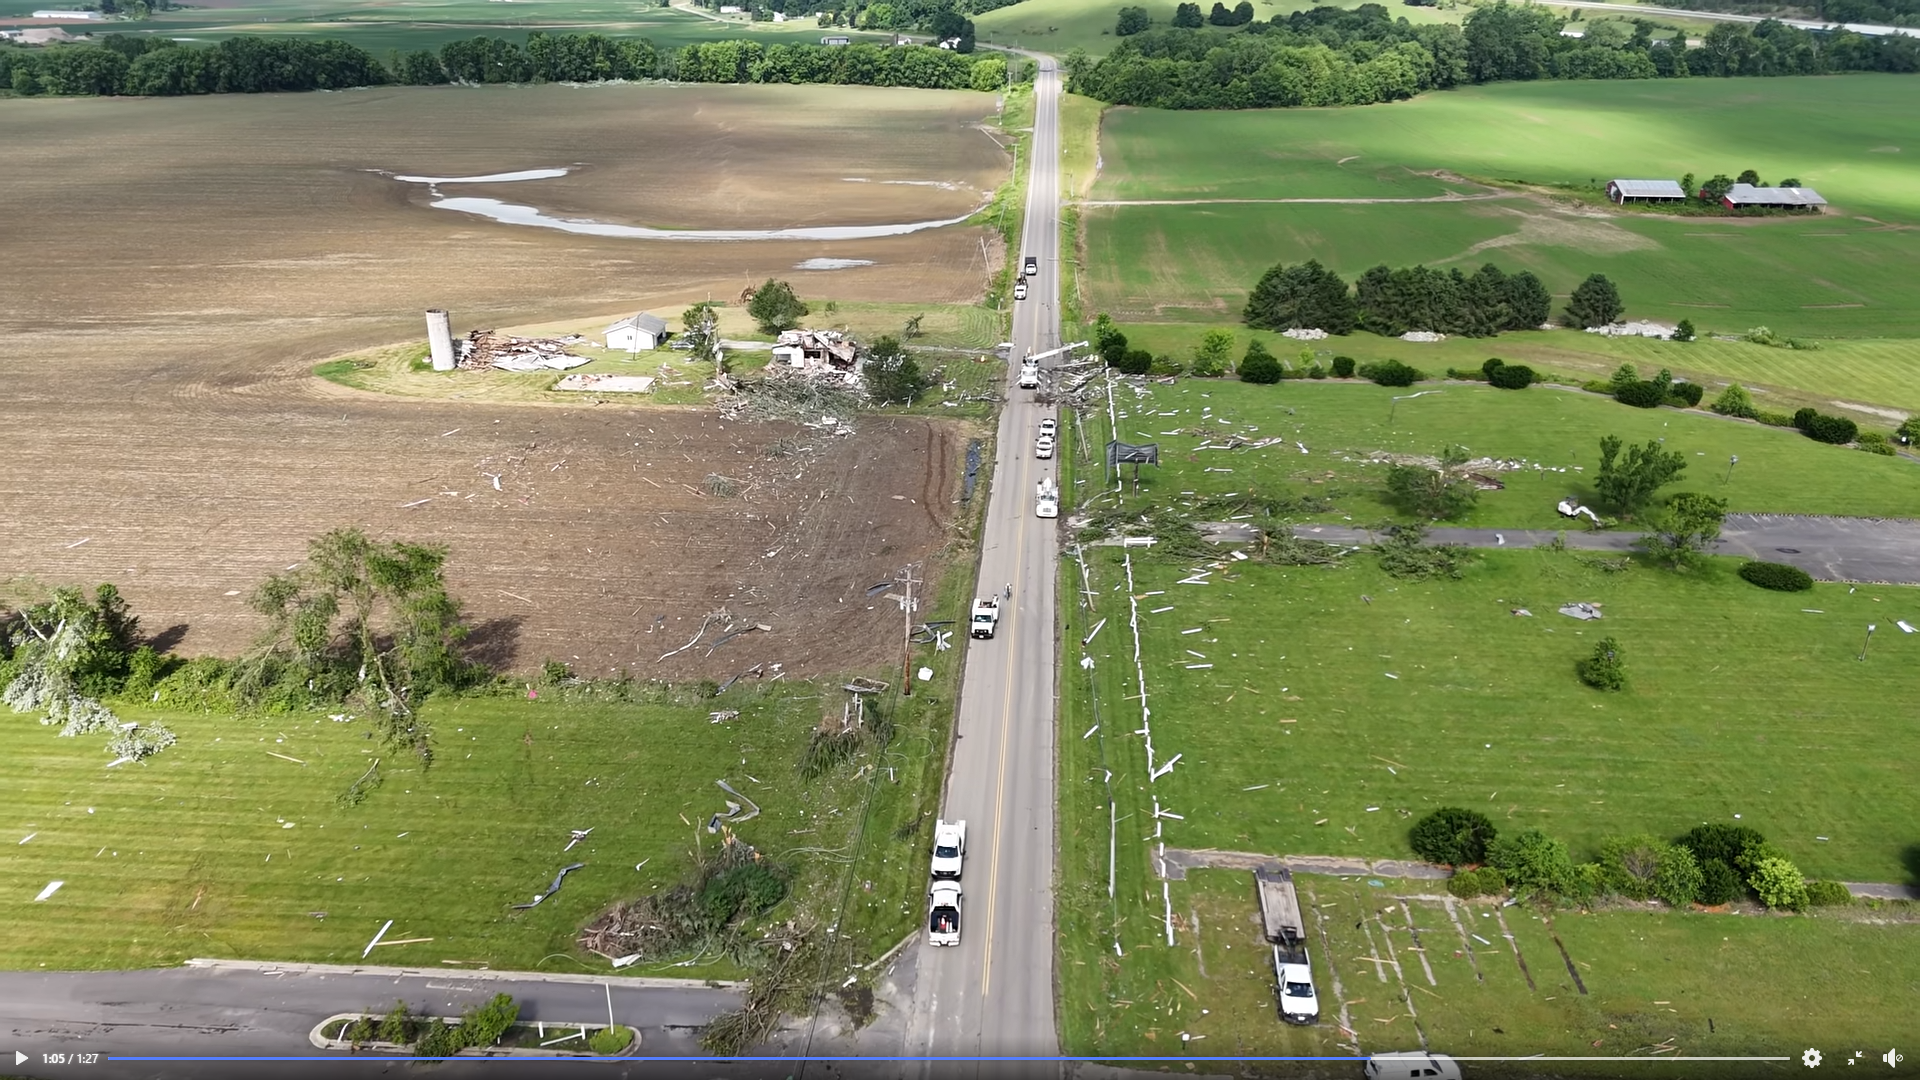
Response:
column 906, row 637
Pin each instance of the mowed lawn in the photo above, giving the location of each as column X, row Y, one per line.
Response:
column 1877, row 374
column 1705, row 984
column 1340, row 423
column 216, row 847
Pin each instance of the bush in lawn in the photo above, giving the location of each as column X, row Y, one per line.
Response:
column 1909, row 429
column 1623, row 376
column 1778, row 884
column 1597, row 386
column 1774, row 418
column 483, row 1025
column 1392, row 373
column 1532, row 860
column 1212, row 355
column 1603, row 670
column 1873, row 442
column 1735, row 401
column 1828, row 894
column 1776, row 576
column 1259, row 366
column 1719, row 883
column 1467, row 374
column 1641, row 395
column 1685, row 395
column 1720, row 840
column 1837, row 430
column 1629, row 864
column 1318, row 372
column 609, row 1041
column 1343, row 367
column 1405, row 554
column 1453, row 836
column 1512, row 377
column 1677, row 878
column 1467, row 884
column 1164, row 365
column 361, row 1031
column 1135, row 362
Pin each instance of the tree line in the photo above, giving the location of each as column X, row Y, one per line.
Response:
column 1390, row 302
column 1883, row 12
column 148, row 66
column 1359, row 56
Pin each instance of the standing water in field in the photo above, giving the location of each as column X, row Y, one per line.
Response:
column 514, row 214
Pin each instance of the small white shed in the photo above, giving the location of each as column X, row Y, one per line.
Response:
column 637, row 333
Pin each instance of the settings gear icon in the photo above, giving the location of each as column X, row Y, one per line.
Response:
column 1811, row 1059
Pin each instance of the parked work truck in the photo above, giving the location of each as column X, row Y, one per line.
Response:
column 1286, row 931
column 986, row 617
column 1029, row 375
column 1046, row 499
column 949, row 848
column 943, row 913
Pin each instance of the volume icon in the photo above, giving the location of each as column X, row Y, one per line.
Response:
column 1891, row 1057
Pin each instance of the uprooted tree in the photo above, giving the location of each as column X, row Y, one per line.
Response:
column 701, row 332
column 1441, row 494
column 66, row 652
column 361, row 619
column 1685, row 528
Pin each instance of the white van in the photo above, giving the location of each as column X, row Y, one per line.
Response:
column 1412, row 1064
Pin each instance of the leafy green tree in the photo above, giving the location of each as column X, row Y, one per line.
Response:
column 1441, row 494
column 1304, row 296
column 700, row 329
column 1595, row 302
column 1715, row 189
column 70, row 644
column 776, row 308
column 1628, row 483
column 1243, row 13
column 484, row 1025
column 1603, row 669
column 1748, row 176
column 1188, row 17
column 1108, row 341
column 1133, row 20
column 1779, row 884
column 1453, row 836
column 1684, row 331
column 1722, row 842
column 1213, row 354
column 1220, row 16
column 1259, row 365
column 1735, row 401
column 1684, row 528
column 1532, row 860
column 362, row 618
column 1909, row 429
column 893, row 378
column 1686, row 183
column 1623, row 376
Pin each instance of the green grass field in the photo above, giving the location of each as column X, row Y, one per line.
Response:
column 216, row 847
column 1059, row 26
column 1649, row 978
column 1856, row 372
column 1780, row 470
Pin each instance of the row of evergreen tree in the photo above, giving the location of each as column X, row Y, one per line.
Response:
column 1393, row 301
column 1358, row 56
column 152, row 66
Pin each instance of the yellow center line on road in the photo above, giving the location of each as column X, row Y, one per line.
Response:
column 1006, row 723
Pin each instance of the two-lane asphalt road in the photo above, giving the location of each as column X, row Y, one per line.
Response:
column 992, row 995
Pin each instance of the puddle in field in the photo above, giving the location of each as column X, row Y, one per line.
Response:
column 515, row 214
column 831, row 264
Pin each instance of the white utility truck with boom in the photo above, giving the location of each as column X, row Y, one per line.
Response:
column 1046, row 499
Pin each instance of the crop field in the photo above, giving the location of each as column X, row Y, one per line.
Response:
column 1780, row 470
column 222, row 847
column 1177, row 256
column 167, row 434
column 424, row 24
column 1411, row 963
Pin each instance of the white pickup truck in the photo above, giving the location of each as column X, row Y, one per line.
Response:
column 1046, row 499
column 1020, row 289
column 986, row 617
column 949, row 848
column 943, row 913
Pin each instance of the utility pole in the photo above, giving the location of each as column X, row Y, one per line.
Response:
column 906, row 637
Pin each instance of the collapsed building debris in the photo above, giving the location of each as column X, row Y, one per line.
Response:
column 819, row 354
column 490, row 349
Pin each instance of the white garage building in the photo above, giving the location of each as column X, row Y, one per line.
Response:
column 637, row 333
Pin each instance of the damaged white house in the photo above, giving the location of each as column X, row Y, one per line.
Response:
column 637, row 333
column 818, row 352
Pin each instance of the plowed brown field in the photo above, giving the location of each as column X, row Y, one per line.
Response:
column 170, row 270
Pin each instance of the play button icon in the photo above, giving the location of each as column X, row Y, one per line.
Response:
column 19, row 1058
